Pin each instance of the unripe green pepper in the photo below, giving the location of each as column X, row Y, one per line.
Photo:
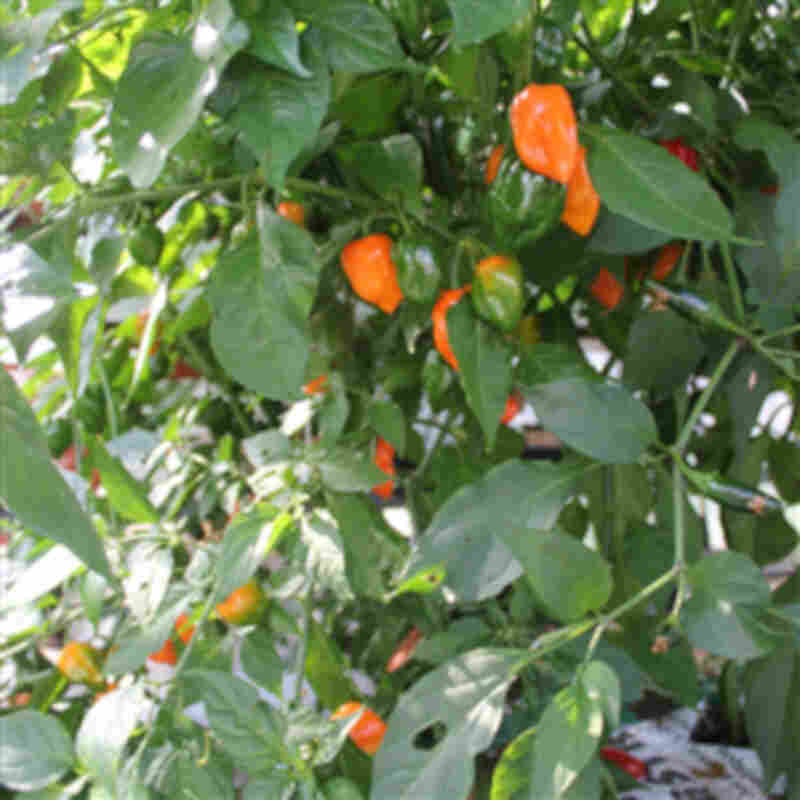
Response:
column 498, row 291
column 146, row 244
column 417, row 268
column 733, row 495
column 523, row 205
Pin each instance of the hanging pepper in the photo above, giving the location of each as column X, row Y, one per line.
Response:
column 523, row 205
column 733, row 495
column 367, row 734
column 493, row 164
column 632, row 765
column 498, row 291
column 606, row 289
column 316, row 386
column 80, row 663
column 368, row 264
column 692, row 306
column 545, row 130
column 294, row 212
column 439, row 317
column 667, row 260
column 583, row 203
column 405, row 650
column 417, row 261
column 513, row 407
column 681, row 150
column 384, row 461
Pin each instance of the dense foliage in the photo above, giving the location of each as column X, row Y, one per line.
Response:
column 273, row 269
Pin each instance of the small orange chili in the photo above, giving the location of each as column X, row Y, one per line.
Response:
column 80, row 663
column 367, row 734
column 368, row 264
column 582, row 203
column 316, row 386
column 513, row 407
column 493, row 164
column 668, row 258
column 294, row 212
column 184, row 628
column 545, row 130
column 439, row 316
column 166, row 655
column 384, row 461
column 245, row 605
column 405, row 650
column 606, row 289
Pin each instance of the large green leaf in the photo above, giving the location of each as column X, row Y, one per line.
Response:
column 279, row 115
column 602, row 420
column 35, row 750
column 466, row 696
column 724, row 614
column 273, row 34
column 471, row 534
column 484, row 359
column 258, row 333
column 357, row 36
column 45, row 504
column 617, row 235
column 21, row 49
column 161, row 93
column 642, row 181
column 568, row 577
column 772, row 709
column 477, row 20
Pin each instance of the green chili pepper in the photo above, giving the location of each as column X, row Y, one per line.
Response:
column 693, row 306
column 523, row 205
column 417, row 262
column 733, row 495
column 146, row 244
column 498, row 291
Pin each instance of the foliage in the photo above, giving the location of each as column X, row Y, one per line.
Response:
column 240, row 284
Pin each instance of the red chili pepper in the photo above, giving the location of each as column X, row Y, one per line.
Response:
column 680, row 150
column 183, row 370
column 632, row 765
column 404, row 650
column 771, row 189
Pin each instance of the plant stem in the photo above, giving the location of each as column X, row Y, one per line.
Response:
column 679, row 521
column 302, row 648
column 701, row 404
column 787, row 331
column 733, row 280
column 92, row 23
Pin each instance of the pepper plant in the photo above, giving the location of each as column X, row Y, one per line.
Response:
column 274, row 271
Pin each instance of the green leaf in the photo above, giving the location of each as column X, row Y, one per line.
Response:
column 390, row 423
column 547, row 362
column 511, row 779
column 663, row 349
column 247, row 541
column 602, row 685
column 602, row 420
column 464, row 535
column 261, row 662
column 125, row 493
column 723, row 614
column 348, row 471
column 772, row 710
column 35, row 750
column 391, row 168
column 273, row 34
column 46, row 505
column 23, row 56
column 642, row 181
column 279, row 115
column 105, row 731
column 471, row 687
column 324, row 553
column 41, row 576
column 258, row 334
column 161, row 93
column 477, row 20
column 567, row 737
column 566, row 576
column 334, row 412
column 782, row 150
column 615, row 234
column 484, row 359
column 357, row 36
column 325, row 668
column 187, row 780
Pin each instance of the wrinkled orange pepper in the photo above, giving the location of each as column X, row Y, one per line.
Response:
column 545, row 130
column 367, row 734
column 294, row 212
column 668, row 258
column 369, row 267
column 493, row 164
column 606, row 289
column 513, row 407
column 384, row 461
column 582, row 202
column 439, row 317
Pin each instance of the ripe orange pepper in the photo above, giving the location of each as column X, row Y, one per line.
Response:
column 245, row 605
column 317, row 386
column 294, row 212
column 493, row 164
column 367, row 734
column 405, row 650
column 166, row 655
column 439, row 316
column 513, row 407
column 582, row 203
column 68, row 461
column 369, row 267
column 384, row 461
column 79, row 662
column 606, row 289
column 545, row 130
column 668, row 258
